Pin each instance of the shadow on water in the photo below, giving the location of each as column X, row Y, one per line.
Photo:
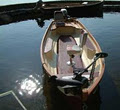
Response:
column 106, row 96
column 57, row 101
column 110, row 97
column 101, row 99
column 30, row 14
column 20, row 15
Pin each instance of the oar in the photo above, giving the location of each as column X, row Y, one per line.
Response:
column 98, row 55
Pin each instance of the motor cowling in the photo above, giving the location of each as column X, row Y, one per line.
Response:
column 70, row 86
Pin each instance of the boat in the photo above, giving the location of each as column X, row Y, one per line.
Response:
column 71, row 57
column 85, row 8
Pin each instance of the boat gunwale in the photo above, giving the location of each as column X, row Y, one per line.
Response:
column 41, row 49
column 91, row 88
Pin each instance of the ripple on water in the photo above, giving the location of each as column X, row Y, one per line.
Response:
column 30, row 86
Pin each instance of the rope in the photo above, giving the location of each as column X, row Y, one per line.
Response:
column 11, row 92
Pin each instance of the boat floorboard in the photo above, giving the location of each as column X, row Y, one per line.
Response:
column 63, row 57
column 62, row 67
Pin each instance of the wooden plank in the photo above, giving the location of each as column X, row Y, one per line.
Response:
column 63, row 57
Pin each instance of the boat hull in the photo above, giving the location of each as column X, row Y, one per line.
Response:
column 55, row 62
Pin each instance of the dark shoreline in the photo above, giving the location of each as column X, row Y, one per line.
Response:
column 21, row 12
column 6, row 8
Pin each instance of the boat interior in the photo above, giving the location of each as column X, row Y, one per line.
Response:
column 69, row 47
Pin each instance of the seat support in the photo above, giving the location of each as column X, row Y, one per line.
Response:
column 71, row 51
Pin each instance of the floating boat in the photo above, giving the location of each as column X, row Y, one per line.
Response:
column 85, row 8
column 71, row 56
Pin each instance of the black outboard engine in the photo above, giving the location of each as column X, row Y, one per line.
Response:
column 70, row 87
column 76, row 89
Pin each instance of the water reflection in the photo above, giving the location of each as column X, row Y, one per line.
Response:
column 30, row 86
column 7, row 17
column 55, row 100
column 40, row 22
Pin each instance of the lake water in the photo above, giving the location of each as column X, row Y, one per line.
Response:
column 21, row 69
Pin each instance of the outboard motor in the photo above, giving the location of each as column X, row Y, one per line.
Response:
column 65, row 13
column 69, row 87
column 76, row 89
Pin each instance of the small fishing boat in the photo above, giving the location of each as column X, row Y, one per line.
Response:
column 71, row 56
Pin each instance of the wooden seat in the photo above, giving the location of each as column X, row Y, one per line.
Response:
column 73, row 49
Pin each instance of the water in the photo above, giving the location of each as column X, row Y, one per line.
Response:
column 21, row 69
column 11, row 2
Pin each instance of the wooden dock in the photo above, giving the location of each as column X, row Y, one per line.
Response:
column 7, row 5
column 14, row 2
column 19, row 10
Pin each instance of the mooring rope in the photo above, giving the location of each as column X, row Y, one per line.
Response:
column 11, row 92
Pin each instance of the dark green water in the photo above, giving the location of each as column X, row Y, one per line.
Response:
column 21, row 69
